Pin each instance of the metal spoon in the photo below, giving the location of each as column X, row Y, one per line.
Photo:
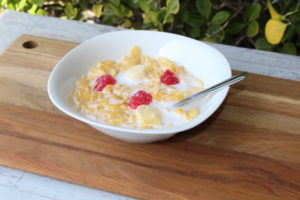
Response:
column 230, row 81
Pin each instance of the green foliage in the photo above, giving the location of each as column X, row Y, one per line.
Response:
column 70, row 11
column 204, row 7
column 172, row 7
column 239, row 23
column 262, row 44
column 289, row 48
column 235, row 27
column 97, row 9
column 252, row 29
column 252, row 12
column 220, row 17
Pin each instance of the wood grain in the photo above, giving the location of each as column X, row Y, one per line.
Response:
column 249, row 149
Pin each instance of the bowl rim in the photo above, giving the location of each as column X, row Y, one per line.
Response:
column 164, row 130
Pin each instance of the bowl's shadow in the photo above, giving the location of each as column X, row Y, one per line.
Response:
column 196, row 130
column 236, row 89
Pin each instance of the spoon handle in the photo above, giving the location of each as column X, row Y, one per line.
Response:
column 230, row 81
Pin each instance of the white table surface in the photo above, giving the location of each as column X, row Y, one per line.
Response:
column 20, row 185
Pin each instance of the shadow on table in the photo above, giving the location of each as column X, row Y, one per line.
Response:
column 236, row 90
column 196, row 130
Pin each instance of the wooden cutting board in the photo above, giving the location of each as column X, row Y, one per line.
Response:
column 249, row 149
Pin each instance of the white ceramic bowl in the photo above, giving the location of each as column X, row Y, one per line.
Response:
column 205, row 62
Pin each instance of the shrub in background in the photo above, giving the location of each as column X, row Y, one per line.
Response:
column 261, row 24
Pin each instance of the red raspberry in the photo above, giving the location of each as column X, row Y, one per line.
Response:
column 139, row 98
column 169, row 78
column 103, row 81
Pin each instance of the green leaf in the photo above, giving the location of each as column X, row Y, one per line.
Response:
column 252, row 29
column 234, row 28
column 206, row 39
column 97, row 9
column 219, row 37
column 194, row 32
column 148, row 5
column 290, row 32
column 3, row 2
column 170, row 19
column 204, row 7
column 220, row 17
column 172, row 7
column 63, row 17
column 129, row 13
column 69, row 10
column 124, row 12
column 39, row 3
column 289, row 48
column 181, row 32
column 111, row 10
column 115, row 2
column 133, row 4
column 75, row 2
column 127, row 23
column 84, row 4
column 194, row 20
column 213, row 28
column 75, row 12
column 252, row 12
column 33, row 9
column 21, row 5
column 263, row 44
column 151, row 17
column 41, row 12
column 11, row 6
column 211, row 33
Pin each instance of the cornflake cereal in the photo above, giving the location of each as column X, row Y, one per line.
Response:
column 137, row 92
